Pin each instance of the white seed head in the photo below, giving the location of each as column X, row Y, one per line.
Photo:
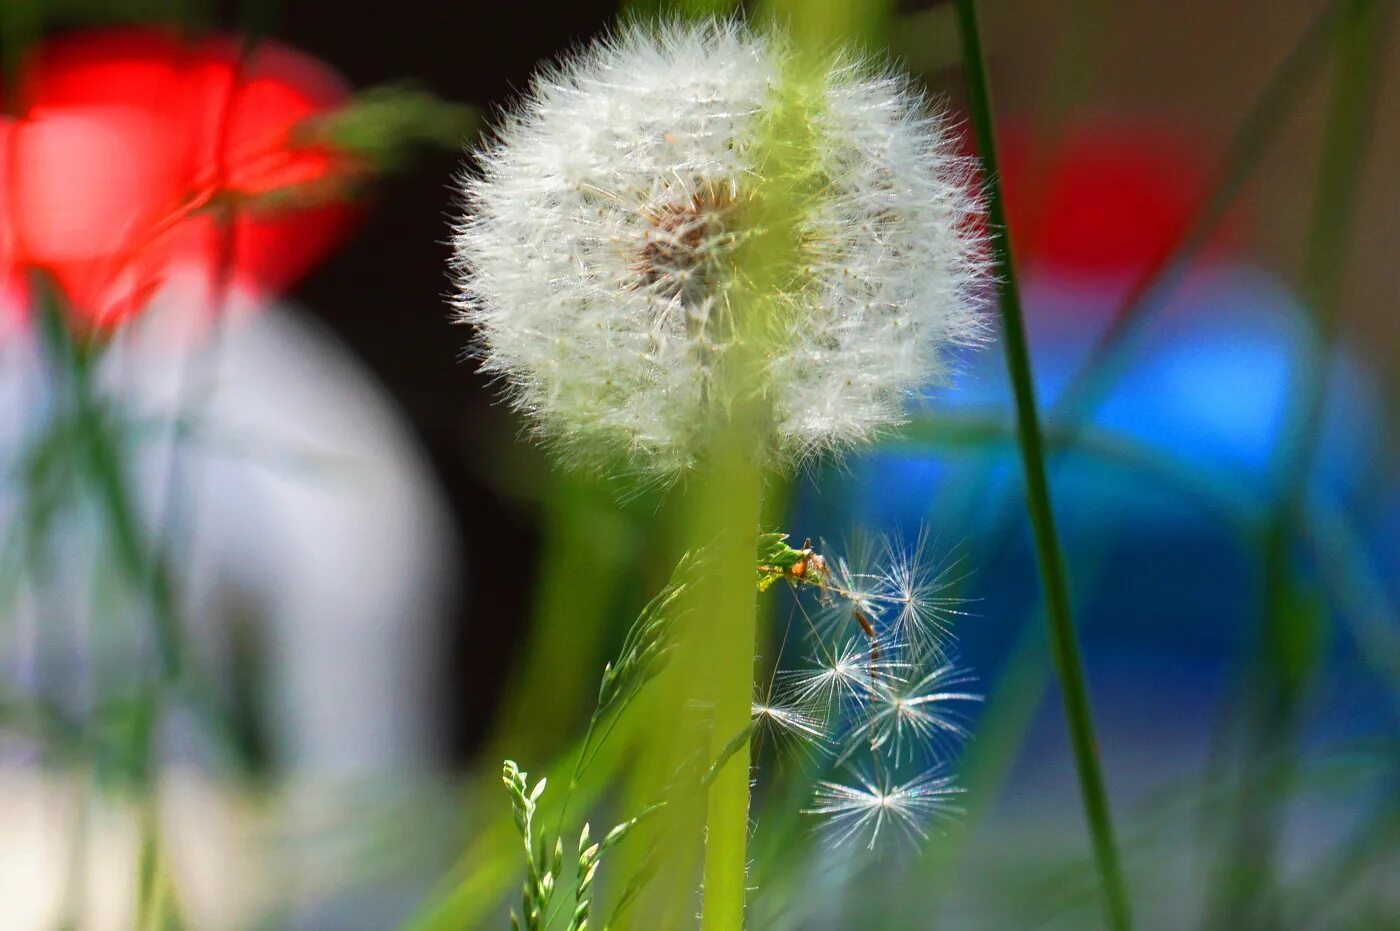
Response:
column 602, row 253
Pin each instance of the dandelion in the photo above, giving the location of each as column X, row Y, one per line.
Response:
column 601, row 253
column 861, row 812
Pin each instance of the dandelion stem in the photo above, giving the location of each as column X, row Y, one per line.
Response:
column 728, row 513
column 1063, row 643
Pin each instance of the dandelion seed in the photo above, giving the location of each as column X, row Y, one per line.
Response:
column 790, row 724
column 906, row 716
column 893, row 593
column 854, row 589
column 913, row 586
column 861, row 812
column 601, row 250
column 847, row 676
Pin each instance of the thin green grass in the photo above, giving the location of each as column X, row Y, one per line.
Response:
column 1063, row 641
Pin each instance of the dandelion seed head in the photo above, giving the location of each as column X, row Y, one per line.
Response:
column 602, row 228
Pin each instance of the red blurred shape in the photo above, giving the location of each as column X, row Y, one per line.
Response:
column 1105, row 199
column 129, row 145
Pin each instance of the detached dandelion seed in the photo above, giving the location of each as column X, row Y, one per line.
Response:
column 856, row 583
column 894, row 594
column 600, row 254
column 861, row 812
column 791, row 724
column 847, row 676
column 913, row 585
column 921, row 714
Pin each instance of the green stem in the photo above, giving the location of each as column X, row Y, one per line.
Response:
column 480, row 878
column 705, row 696
column 148, row 865
column 105, row 470
column 1063, row 643
column 74, row 364
column 728, row 507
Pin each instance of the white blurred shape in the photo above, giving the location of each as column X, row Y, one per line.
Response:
column 300, row 500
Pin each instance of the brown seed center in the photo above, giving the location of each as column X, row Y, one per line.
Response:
column 683, row 246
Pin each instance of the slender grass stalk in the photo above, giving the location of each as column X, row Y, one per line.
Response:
column 148, row 869
column 1275, row 102
column 73, row 362
column 1266, row 116
column 1360, row 590
column 1063, row 642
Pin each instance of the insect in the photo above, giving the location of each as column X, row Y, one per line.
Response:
column 805, row 566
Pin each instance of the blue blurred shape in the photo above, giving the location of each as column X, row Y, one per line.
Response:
column 1157, row 496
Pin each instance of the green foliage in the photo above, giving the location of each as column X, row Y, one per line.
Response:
column 1064, row 641
column 384, row 125
column 544, row 862
column 648, row 646
column 540, row 866
column 589, row 858
column 776, row 559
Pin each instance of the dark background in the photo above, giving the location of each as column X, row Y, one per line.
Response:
column 385, row 294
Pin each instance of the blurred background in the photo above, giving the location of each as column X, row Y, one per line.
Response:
column 380, row 573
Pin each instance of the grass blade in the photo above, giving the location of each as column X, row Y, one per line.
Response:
column 1063, row 642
